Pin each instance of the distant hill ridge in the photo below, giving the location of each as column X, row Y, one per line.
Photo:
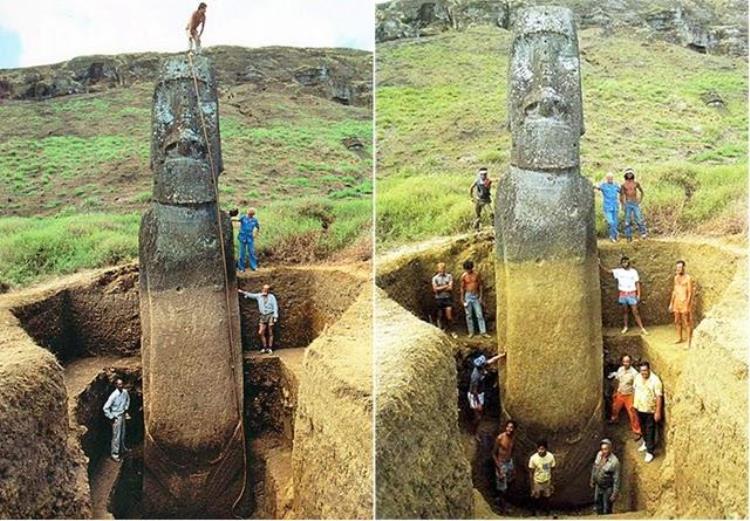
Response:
column 340, row 75
column 706, row 26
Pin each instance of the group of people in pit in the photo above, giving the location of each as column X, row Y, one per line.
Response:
column 639, row 391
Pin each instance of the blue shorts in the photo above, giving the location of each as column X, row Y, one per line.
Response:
column 629, row 301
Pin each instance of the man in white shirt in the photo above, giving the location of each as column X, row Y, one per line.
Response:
column 268, row 307
column 625, row 376
column 115, row 409
column 629, row 288
column 648, row 401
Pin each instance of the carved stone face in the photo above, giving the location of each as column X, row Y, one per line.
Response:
column 545, row 109
column 179, row 151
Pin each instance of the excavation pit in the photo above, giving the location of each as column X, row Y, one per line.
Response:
column 649, row 490
column 90, row 323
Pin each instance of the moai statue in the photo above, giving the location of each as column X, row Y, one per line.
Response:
column 194, row 448
column 548, row 306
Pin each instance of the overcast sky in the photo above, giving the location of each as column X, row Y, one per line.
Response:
column 35, row 32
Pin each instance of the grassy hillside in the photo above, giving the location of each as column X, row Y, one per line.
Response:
column 441, row 113
column 78, row 167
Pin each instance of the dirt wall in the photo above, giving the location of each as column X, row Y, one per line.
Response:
column 84, row 315
column 422, row 471
column 711, row 268
column 407, row 278
column 332, row 454
column 708, row 432
column 309, row 300
column 270, row 397
column 42, row 468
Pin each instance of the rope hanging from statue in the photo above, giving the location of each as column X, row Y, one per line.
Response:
column 214, row 177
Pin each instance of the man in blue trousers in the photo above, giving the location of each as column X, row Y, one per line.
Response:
column 249, row 227
column 610, row 197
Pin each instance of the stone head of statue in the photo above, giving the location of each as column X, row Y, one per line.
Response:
column 182, row 152
column 545, row 106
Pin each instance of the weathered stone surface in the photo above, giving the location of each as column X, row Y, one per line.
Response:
column 548, row 307
column 702, row 25
column 192, row 374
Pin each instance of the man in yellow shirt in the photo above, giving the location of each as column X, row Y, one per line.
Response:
column 541, row 464
column 648, row 401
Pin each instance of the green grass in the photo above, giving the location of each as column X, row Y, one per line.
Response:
column 442, row 113
column 35, row 249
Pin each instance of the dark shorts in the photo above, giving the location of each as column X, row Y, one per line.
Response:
column 444, row 302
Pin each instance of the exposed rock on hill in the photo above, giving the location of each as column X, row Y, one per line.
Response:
column 707, row 26
column 341, row 75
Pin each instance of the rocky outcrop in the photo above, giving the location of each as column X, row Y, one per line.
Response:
column 341, row 75
column 702, row 25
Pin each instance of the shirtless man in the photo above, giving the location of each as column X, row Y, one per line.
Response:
column 196, row 19
column 681, row 304
column 472, row 298
column 502, row 455
column 632, row 205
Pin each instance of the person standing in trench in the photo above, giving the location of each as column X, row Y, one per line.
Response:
column 115, row 409
column 268, row 307
column 605, row 478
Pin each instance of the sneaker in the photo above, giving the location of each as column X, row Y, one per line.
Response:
column 642, row 447
column 624, row 330
column 269, row 351
column 454, row 335
column 115, row 457
column 648, row 458
column 485, row 335
column 471, row 335
column 612, row 240
column 644, row 332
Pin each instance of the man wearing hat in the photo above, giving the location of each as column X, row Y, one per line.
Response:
column 476, row 386
column 605, row 478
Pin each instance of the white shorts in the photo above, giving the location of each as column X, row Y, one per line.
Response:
column 473, row 403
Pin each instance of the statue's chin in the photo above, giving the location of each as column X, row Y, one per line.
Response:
column 545, row 144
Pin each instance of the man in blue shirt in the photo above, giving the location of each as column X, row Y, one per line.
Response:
column 268, row 308
column 116, row 410
column 610, row 196
column 249, row 227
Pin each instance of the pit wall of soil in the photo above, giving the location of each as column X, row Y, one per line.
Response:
column 89, row 316
column 98, row 314
column 406, row 277
column 332, row 454
column 42, row 468
column 697, row 473
column 309, row 300
column 422, row 470
column 271, row 395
